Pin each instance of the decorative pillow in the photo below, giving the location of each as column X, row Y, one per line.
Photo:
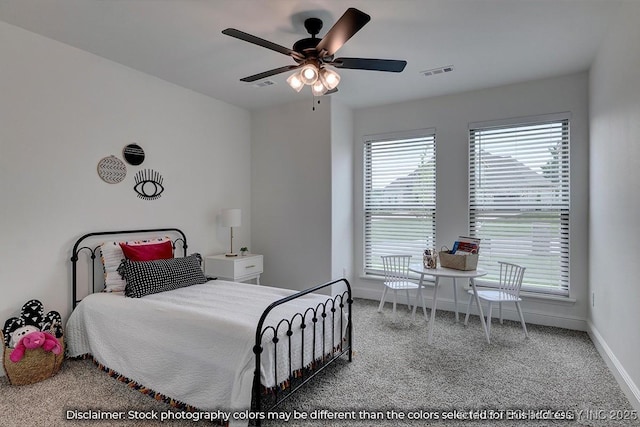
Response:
column 112, row 256
column 149, row 252
column 150, row 277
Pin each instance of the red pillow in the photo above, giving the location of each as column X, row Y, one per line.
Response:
column 150, row 252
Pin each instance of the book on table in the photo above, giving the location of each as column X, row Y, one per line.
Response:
column 466, row 245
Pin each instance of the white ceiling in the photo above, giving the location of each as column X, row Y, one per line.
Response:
column 489, row 42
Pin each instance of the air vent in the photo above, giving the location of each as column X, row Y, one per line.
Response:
column 265, row 83
column 435, row 71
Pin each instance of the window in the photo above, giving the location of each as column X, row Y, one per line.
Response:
column 519, row 199
column 399, row 196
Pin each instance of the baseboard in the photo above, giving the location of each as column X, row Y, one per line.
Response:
column 625, row 382
column 530, row 316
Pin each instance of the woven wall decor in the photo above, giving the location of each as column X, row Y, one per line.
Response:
column 111, row 169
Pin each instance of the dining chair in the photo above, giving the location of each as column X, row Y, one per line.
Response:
column 508, row 290
column 396, row 278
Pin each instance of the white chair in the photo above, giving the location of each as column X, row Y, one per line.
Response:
column 508, row 291
column 396, row 278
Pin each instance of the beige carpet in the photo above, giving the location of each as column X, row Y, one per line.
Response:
column 394, row 374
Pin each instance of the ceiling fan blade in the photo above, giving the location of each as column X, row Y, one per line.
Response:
column 391, row 65
column 261, row 42
column 349, row 23
column 329, row 92
column 270, row 73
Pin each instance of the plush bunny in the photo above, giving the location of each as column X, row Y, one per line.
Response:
column 35, row 340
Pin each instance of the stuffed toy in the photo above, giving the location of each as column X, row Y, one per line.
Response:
column 35, row 340
column 32, row 319
column 20, row 333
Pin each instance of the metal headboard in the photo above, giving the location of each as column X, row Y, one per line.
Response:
column 77, row 249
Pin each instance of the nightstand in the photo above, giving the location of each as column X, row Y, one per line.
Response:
column 236, row 269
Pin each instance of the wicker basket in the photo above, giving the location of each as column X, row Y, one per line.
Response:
column 458, row 262
column 36, row 365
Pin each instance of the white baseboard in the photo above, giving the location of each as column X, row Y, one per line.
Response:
column 625, row 382
column 509, row 312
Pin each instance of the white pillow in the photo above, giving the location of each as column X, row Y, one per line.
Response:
column 112, row 256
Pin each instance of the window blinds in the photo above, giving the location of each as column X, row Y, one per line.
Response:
column 399, row 197
column 519, row 199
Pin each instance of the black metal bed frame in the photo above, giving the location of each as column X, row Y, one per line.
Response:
column 265, row 399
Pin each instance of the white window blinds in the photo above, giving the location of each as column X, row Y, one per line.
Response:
column 399, row 196
column 519, row 199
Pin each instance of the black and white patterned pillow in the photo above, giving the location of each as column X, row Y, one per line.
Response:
column 150, row 277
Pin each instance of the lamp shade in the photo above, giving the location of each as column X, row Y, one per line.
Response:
column 231, row 217
column 295, row 81
column 309, row 74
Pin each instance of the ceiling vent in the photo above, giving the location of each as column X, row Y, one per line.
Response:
column 434, row 71
column 265, row 83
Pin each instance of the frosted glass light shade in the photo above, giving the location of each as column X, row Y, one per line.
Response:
column 295, row 81
column 231, row 217
column 309, row 74
column 318, row 88
column 330, row 78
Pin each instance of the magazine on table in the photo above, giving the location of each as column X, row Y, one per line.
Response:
column 466, row 245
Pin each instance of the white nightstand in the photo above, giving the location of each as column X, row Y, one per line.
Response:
column 237, row 269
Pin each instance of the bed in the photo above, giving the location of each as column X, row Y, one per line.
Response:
column 216, row 346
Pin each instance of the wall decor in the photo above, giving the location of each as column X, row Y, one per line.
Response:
column 133, row 154
column 111, row 169
column 148, row 184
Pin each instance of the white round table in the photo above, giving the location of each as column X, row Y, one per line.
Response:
column 439, row 272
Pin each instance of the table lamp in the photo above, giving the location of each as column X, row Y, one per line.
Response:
column 231, row 218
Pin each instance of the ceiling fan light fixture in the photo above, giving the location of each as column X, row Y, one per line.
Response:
column 329, row 78
column 318, row 88
column 295, row 81
column 309, row 74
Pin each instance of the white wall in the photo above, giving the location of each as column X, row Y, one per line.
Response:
column 450, row 115
column 291, row 193
column 342, row 162
column 61, row 111
column 614, row 207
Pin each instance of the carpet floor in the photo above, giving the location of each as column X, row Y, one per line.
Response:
column 458, row 380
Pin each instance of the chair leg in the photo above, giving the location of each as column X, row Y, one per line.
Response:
column 384, row 295
column 408, row 300
column 524, row 326
column 395, row 301
column 489, row 319
column 466, row 318
column 500, row 305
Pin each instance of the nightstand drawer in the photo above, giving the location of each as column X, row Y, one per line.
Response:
column 250, row 265
column 235, row 269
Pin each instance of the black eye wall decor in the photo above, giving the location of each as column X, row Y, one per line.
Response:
column 133, row 154
column 148, row 184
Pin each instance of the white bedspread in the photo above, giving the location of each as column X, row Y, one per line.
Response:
column 193, row 344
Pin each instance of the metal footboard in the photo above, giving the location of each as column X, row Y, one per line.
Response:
column 319, row 318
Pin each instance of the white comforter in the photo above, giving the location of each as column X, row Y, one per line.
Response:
column 194, row 344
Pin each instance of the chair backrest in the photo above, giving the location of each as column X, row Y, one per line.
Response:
column 396, row 267
column 511, row 277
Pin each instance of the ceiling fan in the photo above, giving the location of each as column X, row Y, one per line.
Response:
column 313, row 54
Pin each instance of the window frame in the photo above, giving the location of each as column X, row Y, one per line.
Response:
column 561, row 211
column 368, row 254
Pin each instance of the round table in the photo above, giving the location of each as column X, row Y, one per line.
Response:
column 439, row 272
